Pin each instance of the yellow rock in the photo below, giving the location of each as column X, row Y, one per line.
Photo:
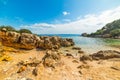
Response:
column 23, row 68
column 5, row 58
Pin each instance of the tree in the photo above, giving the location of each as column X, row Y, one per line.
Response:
column 25, row 31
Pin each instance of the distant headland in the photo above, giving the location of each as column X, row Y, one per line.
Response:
column 110, row 30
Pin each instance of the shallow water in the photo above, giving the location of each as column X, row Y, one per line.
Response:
column 91, row 45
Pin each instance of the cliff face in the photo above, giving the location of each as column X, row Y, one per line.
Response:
column 30, row 41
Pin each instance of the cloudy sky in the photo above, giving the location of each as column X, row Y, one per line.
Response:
column 59, row 16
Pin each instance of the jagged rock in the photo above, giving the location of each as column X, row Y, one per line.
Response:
column 76, row 48
column 30, row 41
column 21, row 69
column 80, row 51
column 85, row 57
column 75, row 61
column 33, row 63
column 83, row 66
column 80, row 72
column 51, row 59
column 69, row 55
column 107, row 54
column 35, row 72
column 66, row 42
column 67, row 50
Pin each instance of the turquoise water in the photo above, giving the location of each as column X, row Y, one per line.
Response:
column 91, row 45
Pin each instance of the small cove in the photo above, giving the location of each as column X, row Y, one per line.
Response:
column 91, row 45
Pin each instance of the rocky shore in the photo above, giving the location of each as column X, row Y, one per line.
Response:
column 31, row 41
column 62, row 64
column 53, row 58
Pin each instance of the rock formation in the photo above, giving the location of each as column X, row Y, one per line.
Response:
column 107, row 54
column 100, row 55
column 51, row 59
column 30, row 41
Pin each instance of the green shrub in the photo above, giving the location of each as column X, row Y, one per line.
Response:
column 24, row 31
column 8, row 28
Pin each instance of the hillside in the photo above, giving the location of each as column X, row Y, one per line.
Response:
column 110, row 30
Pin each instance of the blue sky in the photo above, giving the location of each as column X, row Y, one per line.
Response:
column 54, row 14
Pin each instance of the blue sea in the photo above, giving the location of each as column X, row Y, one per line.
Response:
column 90, row 45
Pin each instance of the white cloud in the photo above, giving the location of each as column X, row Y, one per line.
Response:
column 89, row 23
column 65, row 13
column 39, row 25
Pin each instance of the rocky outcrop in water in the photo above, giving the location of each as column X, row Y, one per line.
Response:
column 30, row 41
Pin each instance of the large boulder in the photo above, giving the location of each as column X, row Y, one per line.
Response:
column 28, row 40
column 107, row 54
column 17, row 40
column 66, row 42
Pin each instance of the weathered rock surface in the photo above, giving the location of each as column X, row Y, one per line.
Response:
column 101, row 55
column 85, row 57
column 51, row 59
column 81, row 52
column 30, row 41
column 106, row 54
column 76, row 48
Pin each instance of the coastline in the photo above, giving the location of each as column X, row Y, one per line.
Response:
column 59, row 40
column 55, row 59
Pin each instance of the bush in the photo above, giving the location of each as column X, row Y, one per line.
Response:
column 115, row 32
column 8, row 28
column 25, row 31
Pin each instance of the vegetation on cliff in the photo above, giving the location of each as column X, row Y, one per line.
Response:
column 10, row 28
column 24, row 31
column 110, row 30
